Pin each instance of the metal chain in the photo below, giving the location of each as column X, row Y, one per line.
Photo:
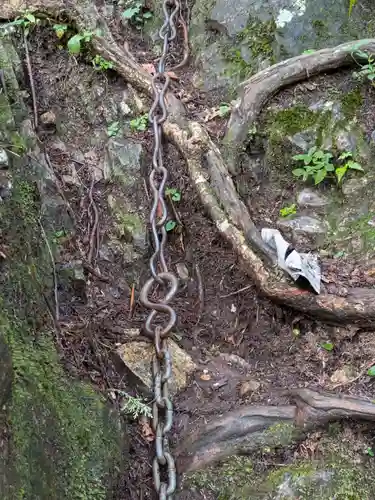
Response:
column 164, row 470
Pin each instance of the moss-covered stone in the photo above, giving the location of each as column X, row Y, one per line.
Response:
column 351, row 103
column 62, row 441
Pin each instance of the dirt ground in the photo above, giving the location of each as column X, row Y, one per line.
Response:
column 232, row 333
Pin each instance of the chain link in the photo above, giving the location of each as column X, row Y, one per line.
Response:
column 164, row 470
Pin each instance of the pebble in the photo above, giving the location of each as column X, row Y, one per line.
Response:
column 310, row 198
column 48, row 118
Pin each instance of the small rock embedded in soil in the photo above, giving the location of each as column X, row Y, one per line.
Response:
column 305, row 225
column 137, row 358
column 342, row 376
column 48, row 118
column 4, row 160
column 310, row 198
column 354, row 186
column 249, row 386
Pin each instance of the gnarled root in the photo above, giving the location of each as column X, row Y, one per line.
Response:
column 206, row 165
column 255, row 427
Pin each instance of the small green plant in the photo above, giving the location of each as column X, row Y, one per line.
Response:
column 26, row 22
column 371, row 371
column 369, row 451
column 101, row 64
column 76, row 42
column 327, row 346
column 140, row 123
column 58, row 235
column 174, row 194
column 348, row 164
column 319, row 164
column 113, row 129
column 60, row 30
column 224, row 109
column 133, row 406
column 368, row 69
column 288, row 210
column 170, row 225
column 137, row 14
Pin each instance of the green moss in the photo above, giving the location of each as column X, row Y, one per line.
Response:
column 257, row 39
column 351, row 103
column 292, row 120
column 63, row 441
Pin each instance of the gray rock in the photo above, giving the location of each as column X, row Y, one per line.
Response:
column 123, row 161
column 48, row 118
column 310, row 198
column 137, row 358
column 346, row 140
column 72, row 275
column 5, row 185
column 354, row 186
column 4, row 160
column 304, row 140
column 304, row 224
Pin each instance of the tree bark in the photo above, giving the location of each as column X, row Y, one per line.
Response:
column 255, row 427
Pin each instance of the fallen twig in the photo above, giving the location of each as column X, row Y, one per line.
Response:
column 57, row 309
column 236, row 292
column 31, row 80
column 94, row 230
column 200, row 292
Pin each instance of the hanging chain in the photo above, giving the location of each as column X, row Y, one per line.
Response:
column 164, row 470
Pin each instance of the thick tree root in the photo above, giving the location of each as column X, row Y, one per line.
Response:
column 207, row 167
column 254, row 428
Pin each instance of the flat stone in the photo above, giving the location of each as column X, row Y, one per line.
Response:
column 4, row 160
column 137, row 358
column 305, row 224
column 354, row 186
column 309, row 198
column 123, row 161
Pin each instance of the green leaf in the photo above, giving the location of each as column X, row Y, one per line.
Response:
column 354, row 166
column 351, row 6
column 345, row 154
column 170, row 225
column 311, row 151
column 113, row 129
column 308, row 51
column 299, row 157
column 30, row 17
column 288, row 210
column 298, row 172
column 340, row 172
column 320, row 176
column 74, row 44
column 371, row 76
column 327, row 346
column 60, row 29
column 147, row 15
column 173, row 193
column 371, row 371
column 329, row 167
column 131, row 12
column 370, row 452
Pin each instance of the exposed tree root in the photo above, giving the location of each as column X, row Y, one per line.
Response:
column 255, row 427
column 207, row 167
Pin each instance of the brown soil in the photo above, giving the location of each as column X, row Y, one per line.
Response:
column 278, row 348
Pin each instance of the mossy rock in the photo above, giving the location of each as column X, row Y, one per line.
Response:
column 60, row 439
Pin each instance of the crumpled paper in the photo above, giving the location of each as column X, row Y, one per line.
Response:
column 296, row 264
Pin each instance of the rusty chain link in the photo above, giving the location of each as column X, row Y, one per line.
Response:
column 164, row 470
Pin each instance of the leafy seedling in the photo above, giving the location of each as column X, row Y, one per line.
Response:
column 316, row 164
column 140, row 123
column 136, row 14
column 367, row 70
column 170, row 225
column 369, row 451
column 26, row 22
column 308, row 51
column 60, row 30
column 224, row 110
column 113, row 129
column 101, row 64
column 76, row 42
column 288, row 210
column 371, row 371
column 351, row 6
column 327, row 346
column 174, row 194
column 349, row 164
